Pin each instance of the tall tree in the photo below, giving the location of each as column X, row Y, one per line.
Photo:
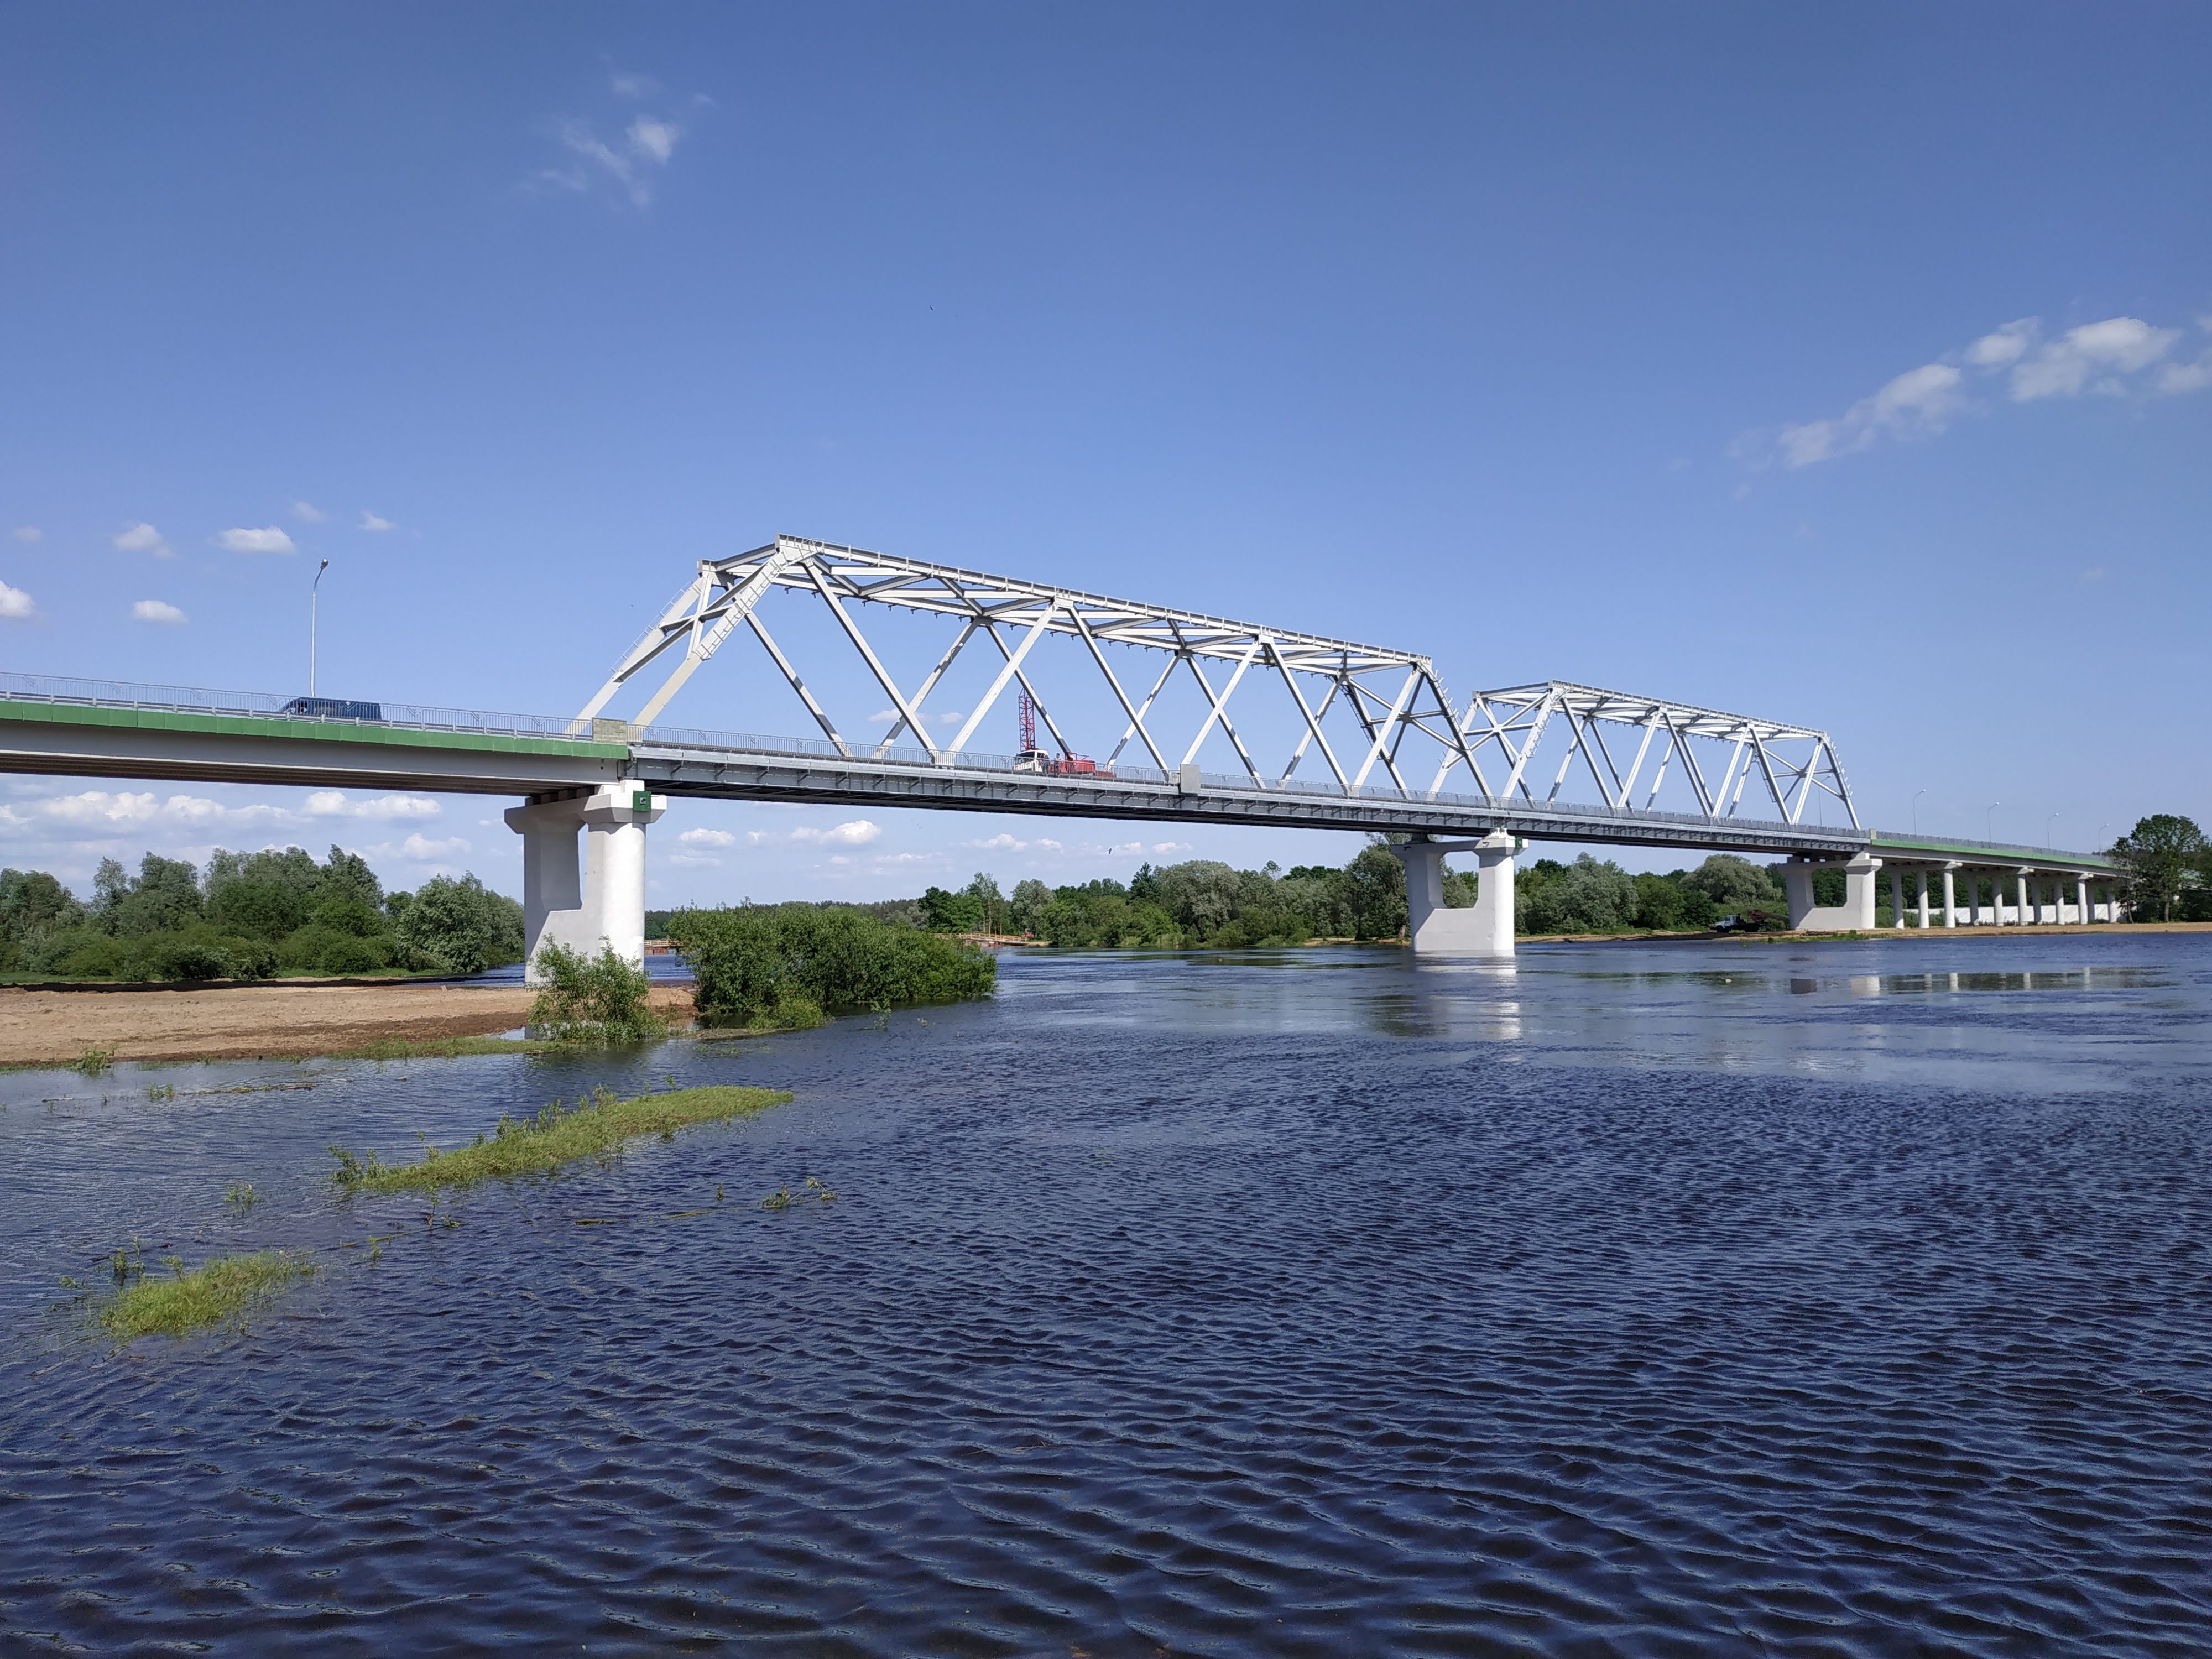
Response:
column 2162, row 854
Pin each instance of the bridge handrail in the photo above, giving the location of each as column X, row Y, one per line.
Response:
column 201, row 700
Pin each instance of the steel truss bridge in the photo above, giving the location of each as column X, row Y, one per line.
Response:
column 1317, row 732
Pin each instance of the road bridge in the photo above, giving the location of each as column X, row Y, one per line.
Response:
column 1383, row 746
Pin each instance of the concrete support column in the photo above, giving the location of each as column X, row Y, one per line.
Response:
column 2082, row 900
column 1896, row 899
column 1797, row 887
column 1859, row 891
column 1924, row 899
column 606, row 907
column 2019, row 885
column 1950, row 898
column 1487, row 930
column 552, row 893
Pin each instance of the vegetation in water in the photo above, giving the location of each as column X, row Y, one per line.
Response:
column 786, row 966
column 452, row 1048
column 561, row 1134
column 783, row 1198
column 240, row 1197
column 599, row 1001
column 221, row 1290
column 249, row 915
column 93, row 1061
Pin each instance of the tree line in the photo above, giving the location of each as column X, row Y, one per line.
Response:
column 251, row 915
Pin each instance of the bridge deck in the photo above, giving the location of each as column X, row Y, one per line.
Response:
column 78, row 729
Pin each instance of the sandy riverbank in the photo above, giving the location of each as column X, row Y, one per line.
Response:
column 259, row 1021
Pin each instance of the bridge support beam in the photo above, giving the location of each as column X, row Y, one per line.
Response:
column 606, row 905
column 1950, row 896
column 1487, row 930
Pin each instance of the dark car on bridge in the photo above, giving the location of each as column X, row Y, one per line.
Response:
column 334, row 708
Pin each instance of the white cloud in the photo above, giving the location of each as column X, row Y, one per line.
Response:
column 857, row 832
column 630, row 85
column 336, row 804
column 1918, row 402
column 268, row 540
column 653, row 138
column 2186, row 377
column 420, row 848
column 708, row 838
column 891, row 859
column 157, row 610
column 1000, row 842
column 2092, row 356
column 1922, row 402
column 1170, row 846
column 308, row 513
column 1046, row 844
column 882, row 717
column 627, row 165
column 99, row 811
column 370, row 521
column 27, row 532
column 2005, row 345
column 142, row 538
column 16, row 606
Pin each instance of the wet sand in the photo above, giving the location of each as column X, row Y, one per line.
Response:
column 257, row 1021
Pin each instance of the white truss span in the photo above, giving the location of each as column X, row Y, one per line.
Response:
column 1790, row 762
column 1391, row 698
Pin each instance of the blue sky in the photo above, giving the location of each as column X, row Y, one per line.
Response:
column 1845, row 366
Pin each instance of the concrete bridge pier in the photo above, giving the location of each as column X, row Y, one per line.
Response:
column 606, row 905
column 1856, row 912
column 1435, row 929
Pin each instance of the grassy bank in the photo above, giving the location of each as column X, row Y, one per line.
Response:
column 218, row 1291
column 558, row 1136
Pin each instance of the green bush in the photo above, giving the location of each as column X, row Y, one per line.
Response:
column 349, row 955
column 599, row 1000
column 461, row 926
column 779, row 964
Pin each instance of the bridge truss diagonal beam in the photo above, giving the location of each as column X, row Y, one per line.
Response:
column 1392, row 696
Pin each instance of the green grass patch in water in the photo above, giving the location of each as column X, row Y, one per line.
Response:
column 444, row 1047
column 560, row 1134
column 221, row 1290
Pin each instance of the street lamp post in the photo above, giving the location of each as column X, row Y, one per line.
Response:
column 2049, row 842
column 1917, row 794
column 314, row 595
column 1990, row 821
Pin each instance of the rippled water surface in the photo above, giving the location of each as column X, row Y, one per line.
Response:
column 1727, row 1297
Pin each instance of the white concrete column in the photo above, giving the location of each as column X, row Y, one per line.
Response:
column 1493, row 895
column 1896, row 898
column 1486, row 929
column 552, row 895
column 1924, row 898
column 2082, row 900
column 615, row 818
column 606, row 907
column 1797, row 887
column 1950, row 897
column 2020, row 887
column 1859, row 891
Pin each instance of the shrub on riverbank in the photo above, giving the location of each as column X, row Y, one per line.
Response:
column 786, row 965
column 559, row 1134
column 596, row 1000
column 248, row 916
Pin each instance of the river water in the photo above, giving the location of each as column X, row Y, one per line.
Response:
column 1712, row 1297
